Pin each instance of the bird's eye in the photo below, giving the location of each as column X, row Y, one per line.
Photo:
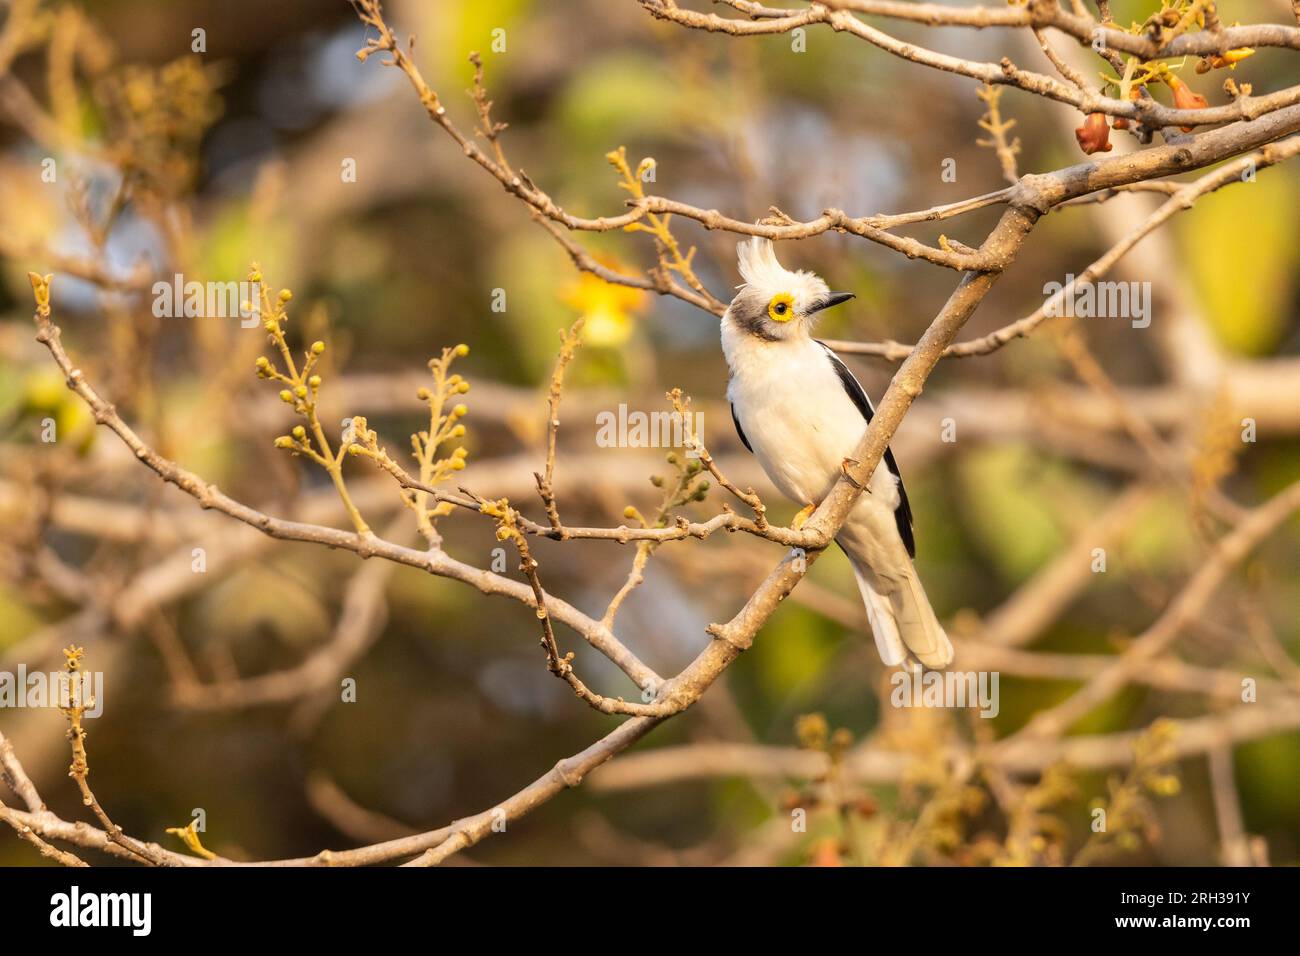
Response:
column 781, row 308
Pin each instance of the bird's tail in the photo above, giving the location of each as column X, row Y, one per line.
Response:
column 906, row 631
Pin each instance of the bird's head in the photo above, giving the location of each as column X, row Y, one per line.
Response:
column 775, row 303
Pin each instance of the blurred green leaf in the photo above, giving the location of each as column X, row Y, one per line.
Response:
column 616, row 99
column 1161, row 537
column 1012, row 502
column 448, row 33
column 1266, row 772
column 17, row 619
column 1239, row 243
column 793, row 652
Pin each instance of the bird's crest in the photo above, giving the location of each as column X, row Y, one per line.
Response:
column 759, row 266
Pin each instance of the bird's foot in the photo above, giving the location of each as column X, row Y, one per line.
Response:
column 846, row 469
column 804, row 514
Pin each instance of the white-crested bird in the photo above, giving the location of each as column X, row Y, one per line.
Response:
column 799, row 409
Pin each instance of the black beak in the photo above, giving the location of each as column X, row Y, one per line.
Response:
column 835, row 298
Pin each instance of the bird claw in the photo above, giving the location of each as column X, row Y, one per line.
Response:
column 846, row 468
column 802, row 517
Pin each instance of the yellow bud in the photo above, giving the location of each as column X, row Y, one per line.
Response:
column 459, row 411
column 463, row 387
column 314, row 381
column 458, row 464
column 458, row 431
column 423, row 395
column 255, row 276
column 459, row 453
column 317, row 347
column 299, row 432
column 285, row 295
column 630, row 512
column 462, row 350
column 301, row 391
column 286, row 395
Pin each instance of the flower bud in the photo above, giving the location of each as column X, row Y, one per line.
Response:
column 1230, row 59
column 1094, row 134
column 1185, row 98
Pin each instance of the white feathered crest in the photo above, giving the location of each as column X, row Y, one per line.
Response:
column 759, row 265
column 761, row 270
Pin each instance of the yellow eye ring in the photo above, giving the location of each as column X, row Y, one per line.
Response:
column 781, row 308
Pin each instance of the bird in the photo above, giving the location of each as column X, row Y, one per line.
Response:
column 798, row 408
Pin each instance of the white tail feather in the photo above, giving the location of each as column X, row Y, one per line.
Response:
column 881, row 618
column 902, row 621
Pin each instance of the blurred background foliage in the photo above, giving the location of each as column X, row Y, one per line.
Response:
column 242, row 147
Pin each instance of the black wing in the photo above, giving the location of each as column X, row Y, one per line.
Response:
column 740, row 431
column 903, row 513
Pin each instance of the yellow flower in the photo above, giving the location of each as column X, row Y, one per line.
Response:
column 607, row 309
column 1229, row 58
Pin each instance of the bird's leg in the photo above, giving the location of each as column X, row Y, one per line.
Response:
column 804, row 514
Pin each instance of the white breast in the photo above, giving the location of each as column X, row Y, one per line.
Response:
column 797, row 416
